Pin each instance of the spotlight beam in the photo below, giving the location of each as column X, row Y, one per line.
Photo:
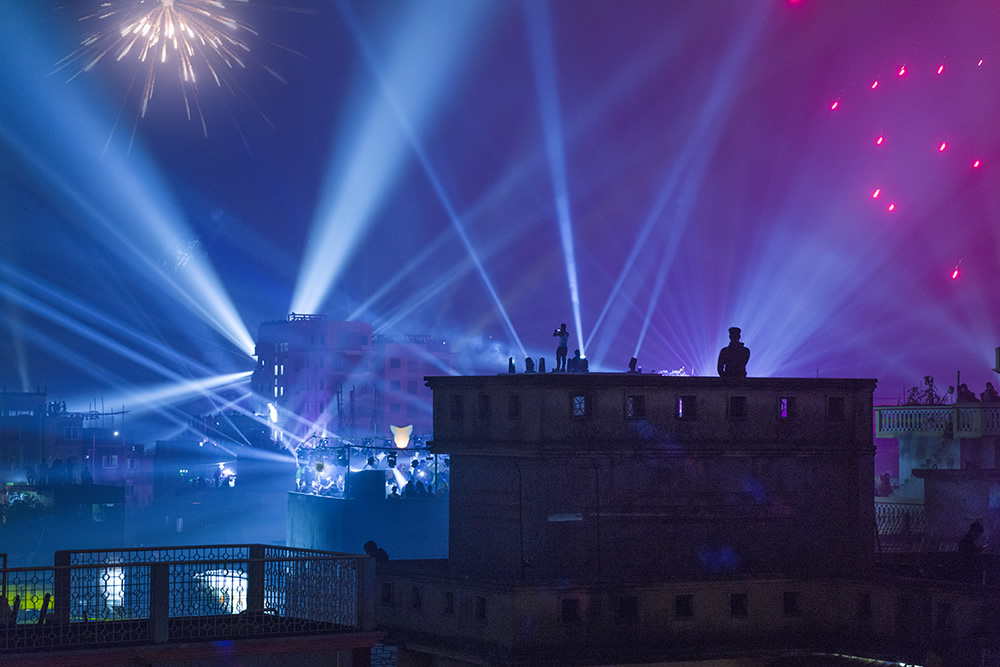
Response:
column 546, row 84
column 408, row 127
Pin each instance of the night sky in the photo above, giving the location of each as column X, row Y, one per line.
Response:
column 650, row 173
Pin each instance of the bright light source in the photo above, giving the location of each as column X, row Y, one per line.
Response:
column 876, row 193
column 833, row 107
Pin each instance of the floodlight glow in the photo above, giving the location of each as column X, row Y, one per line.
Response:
column 123, row 203
column 540, row 37
column 356, row 184
column 401, row 435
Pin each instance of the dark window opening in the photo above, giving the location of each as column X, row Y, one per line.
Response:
column 571, row 611
column 635, row 407
column 836, row 409
column 738, row 605
column 737, row 407
column 790, row 603
column 628, row 610
column 684, row 606
column 514, row 407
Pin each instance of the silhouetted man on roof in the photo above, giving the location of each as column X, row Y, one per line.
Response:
column 734, row 357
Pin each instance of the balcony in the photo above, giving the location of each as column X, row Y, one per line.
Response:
column 962, row 421
column 185, row 595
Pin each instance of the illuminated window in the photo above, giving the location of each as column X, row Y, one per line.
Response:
column 110, row 461
column 786, row 407
column 582, row 406
column 687, row 407
column 635, row 407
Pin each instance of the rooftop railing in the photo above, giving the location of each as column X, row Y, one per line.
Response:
column 963, row 421
column 152, row 596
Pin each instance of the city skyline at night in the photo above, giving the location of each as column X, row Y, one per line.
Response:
column 822, row 175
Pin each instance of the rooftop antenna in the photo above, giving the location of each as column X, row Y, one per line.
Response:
column 996, row 364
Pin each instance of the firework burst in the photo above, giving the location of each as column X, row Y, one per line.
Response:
column 195, row 39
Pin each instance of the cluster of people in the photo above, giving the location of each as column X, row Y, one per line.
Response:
column 966, row 395
column 59, row 472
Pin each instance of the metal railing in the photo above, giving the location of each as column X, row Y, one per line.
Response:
column 963, row 421
column 899, row 526
column 150, row 596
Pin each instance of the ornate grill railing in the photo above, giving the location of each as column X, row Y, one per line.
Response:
column 963, row 421
column 141, row 596
column 900, row 526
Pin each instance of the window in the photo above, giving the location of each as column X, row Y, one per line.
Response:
column 130, row 490
column 415, row 600
column 514, row 406
column 394, row 385
column 395, row 363
column 790, row 603
column 110, row 461
column 687, row 407
column 684, row 606
column 448, row 607
column 635, row 407
column 786, row 407
column 738, row 605
column 480, row 603
column 737, row 407
column 71, row 433
column 864, row 605
column 628, row 610
column 131, row 464
column 456, row 407
column 835, row 410
column 411, row 387
column 582, row 406
column 571, row 611
column 411, row 410
column 387, row 593
column 394, row 408
column 483, row 407
column 411, row 365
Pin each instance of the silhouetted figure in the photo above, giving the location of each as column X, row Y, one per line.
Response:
column 970, row 554
column 965, row 395
column 883, row 487
column 375, row 551
column 541, row 364
column 394, row 493
column 734, row 357
column 990, row 395
column 85, row 476
column 577, row 364
column 563, row 348
column 510, row 366
column 529, row 365
column 421, row 490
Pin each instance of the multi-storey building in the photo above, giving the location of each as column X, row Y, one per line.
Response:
column 626, row 519
column 329, row 378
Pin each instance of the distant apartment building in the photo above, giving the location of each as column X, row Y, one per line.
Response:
column 325, row 378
